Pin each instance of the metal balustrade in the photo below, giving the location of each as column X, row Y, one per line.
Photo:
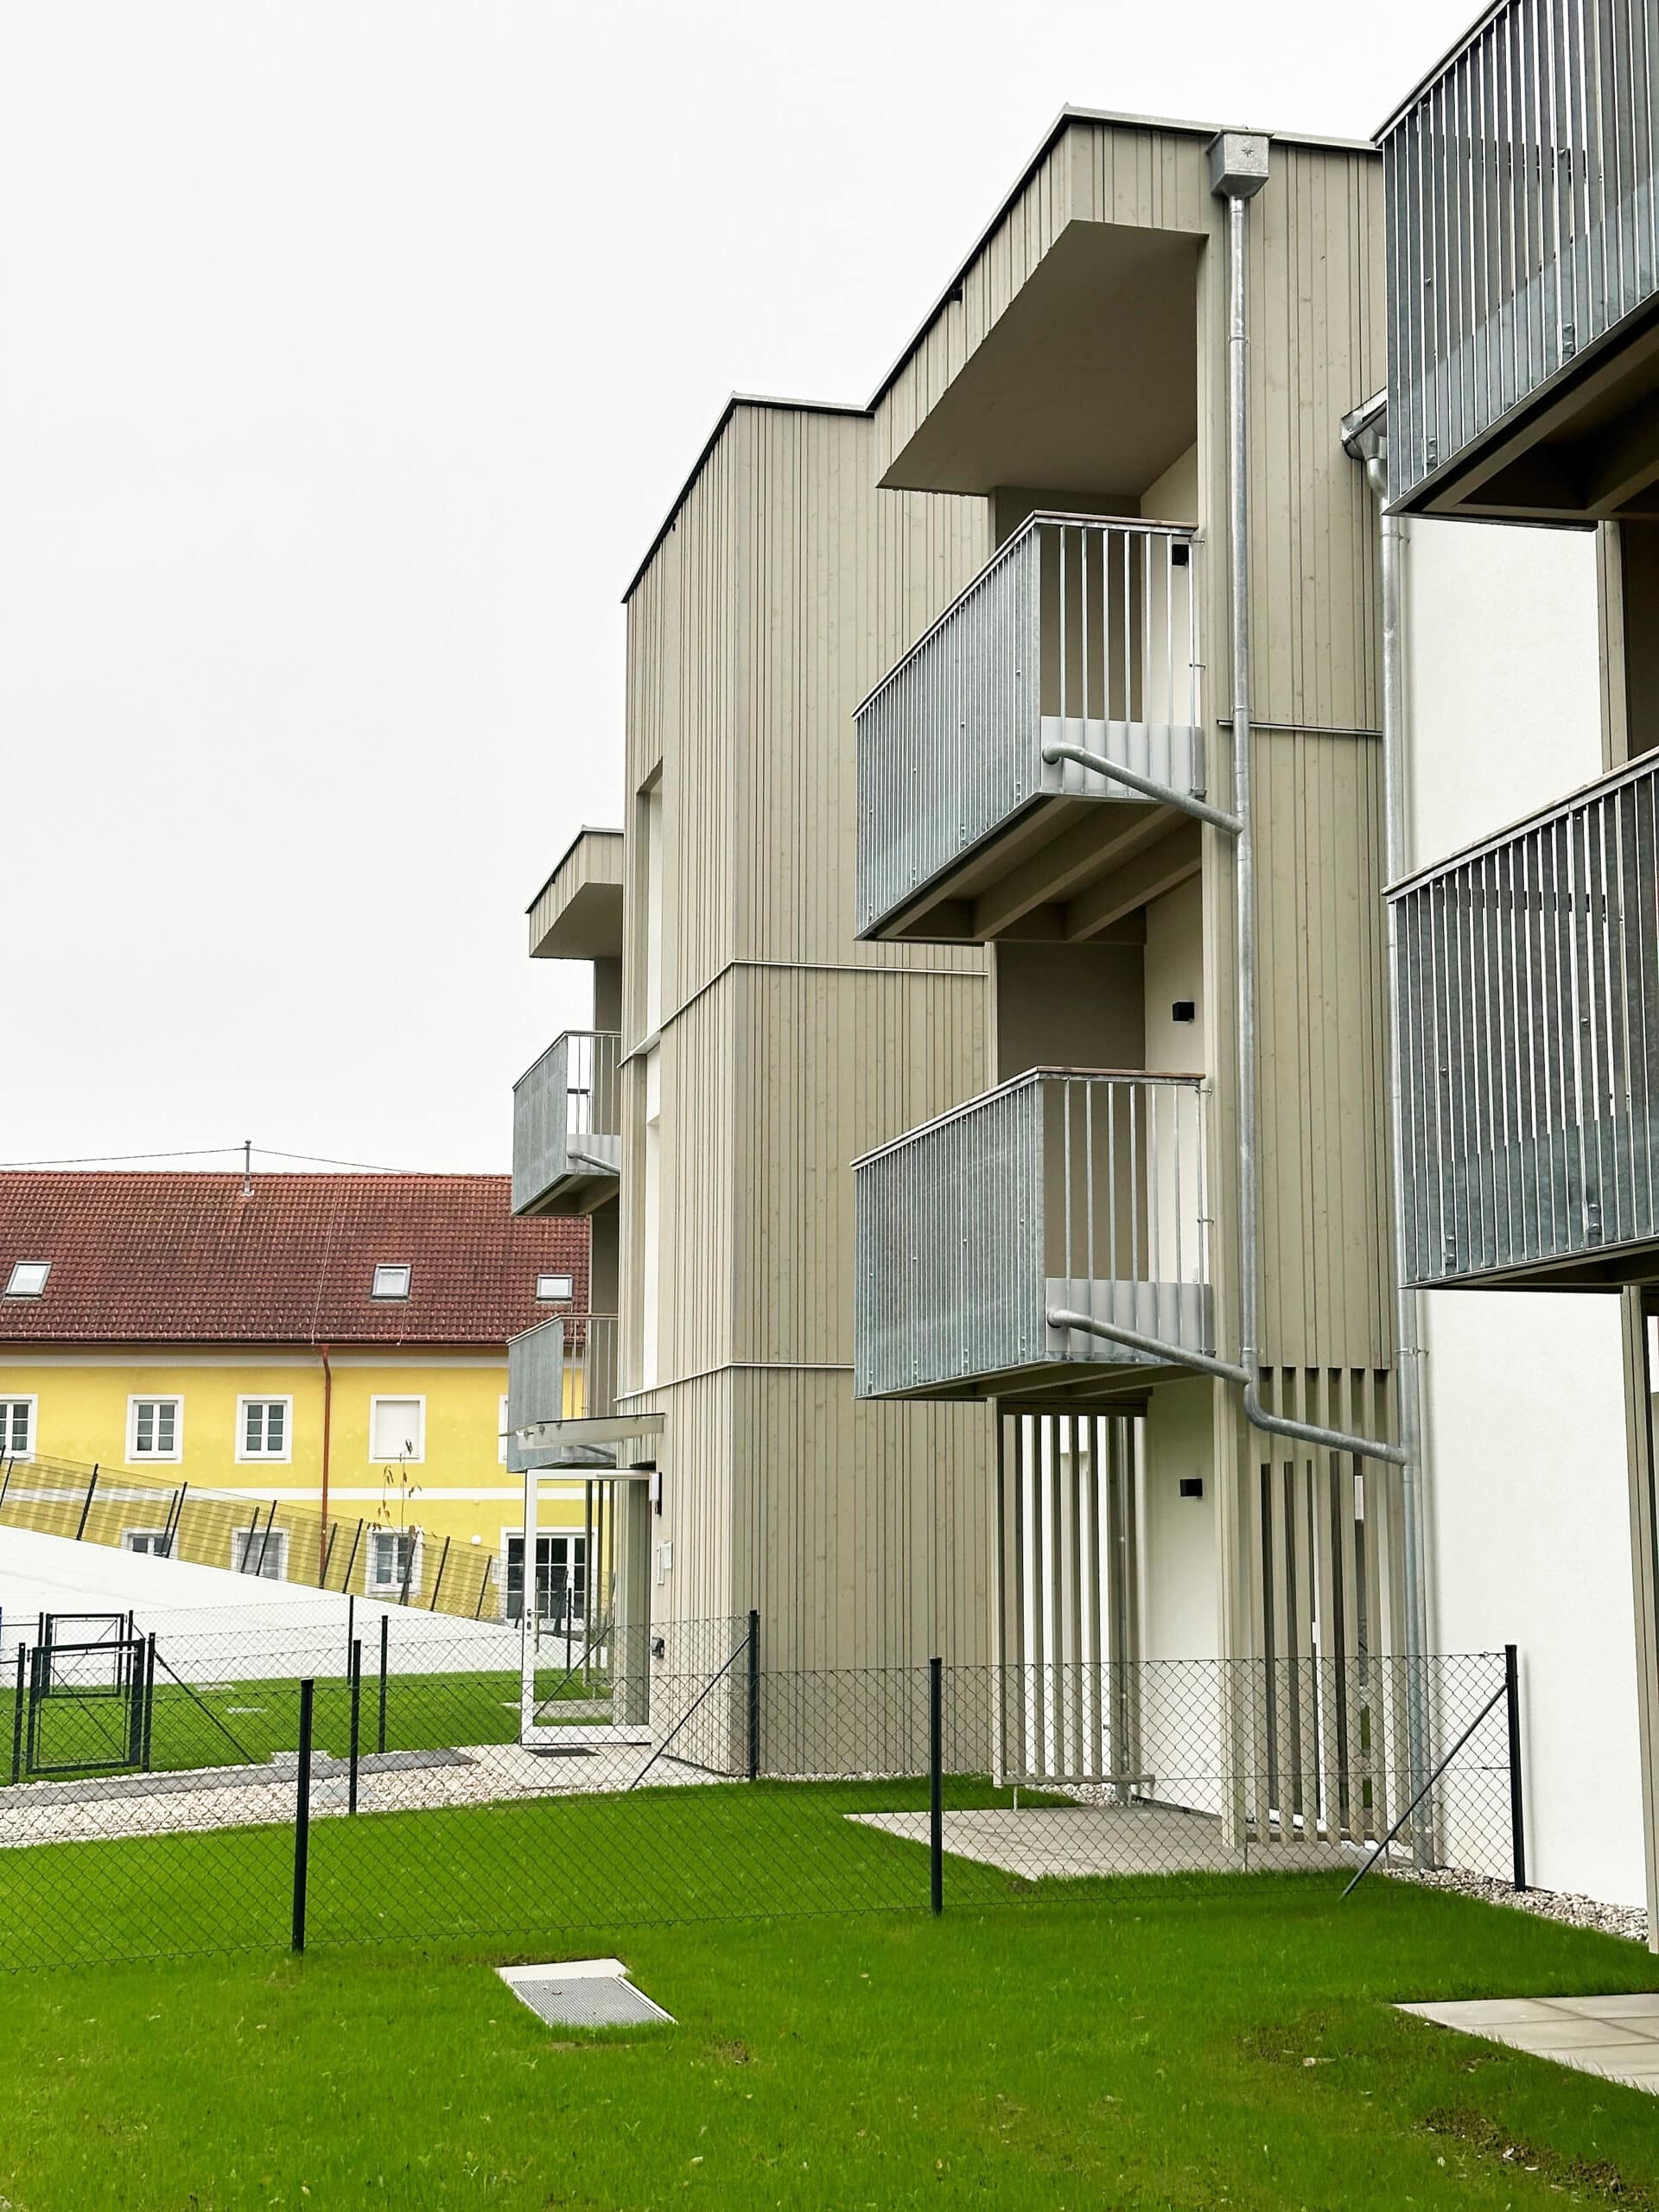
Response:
column 1077, row 629
column 563, row 1370
column 567, row 1122
column 1529, row 981
column 1523, row 216
column 1060, row 1189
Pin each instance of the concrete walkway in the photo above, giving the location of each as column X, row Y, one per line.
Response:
column 392, row 1781
column 1617, row 2036
column 1072, row 1841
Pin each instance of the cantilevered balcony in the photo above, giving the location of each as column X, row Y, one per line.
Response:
column 1523, row 277
column 1059, row 1192
column 561, row 1389
column 1529, row 979
column 567, row 1144
column 1078, row 631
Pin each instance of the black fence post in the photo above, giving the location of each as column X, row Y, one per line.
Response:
column 17, row 1711
column 380, row 1731
column 1517, row 1809
column 936, row 1782
column 351, row 1627
column 357, row 1709
column 302, row 1814
column 87, row 1505
column 147, row 1716
column 754, row 1696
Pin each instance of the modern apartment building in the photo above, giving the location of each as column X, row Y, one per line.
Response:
column 1523, row 389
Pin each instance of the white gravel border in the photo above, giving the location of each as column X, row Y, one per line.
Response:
column 1629, row 1921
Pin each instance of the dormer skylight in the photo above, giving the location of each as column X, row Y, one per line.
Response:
column 28, row 1278
column 390, row 1280
column 552, row 1290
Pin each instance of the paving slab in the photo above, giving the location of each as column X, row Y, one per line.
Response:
column 1616, row 2036
column 1071, row 1842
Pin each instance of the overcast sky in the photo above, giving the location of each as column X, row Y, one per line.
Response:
column 353, row 354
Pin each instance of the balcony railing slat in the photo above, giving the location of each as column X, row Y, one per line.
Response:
column 567, row 1117
column 1060, row 1189
column 1521, row 192
column 1079, row 628
column 1528, row 974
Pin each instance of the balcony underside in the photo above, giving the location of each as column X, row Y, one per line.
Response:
column 590, row 1177
column 1583, row 450
column 1066, row 868
column 1078, row 1368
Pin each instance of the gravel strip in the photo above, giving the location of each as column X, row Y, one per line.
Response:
column 1627, row 1921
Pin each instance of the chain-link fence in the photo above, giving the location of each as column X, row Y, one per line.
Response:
column 175, row 1792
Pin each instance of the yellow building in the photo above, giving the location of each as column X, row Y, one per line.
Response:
column 333, row 1347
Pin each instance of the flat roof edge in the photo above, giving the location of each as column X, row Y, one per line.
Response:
column 738, row 399
column 588, row 829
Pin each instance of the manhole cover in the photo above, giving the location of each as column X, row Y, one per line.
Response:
column 582, row 1994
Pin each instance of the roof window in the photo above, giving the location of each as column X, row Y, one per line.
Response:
column 391, row 1280
column 28, row 1278
column 551, row 1289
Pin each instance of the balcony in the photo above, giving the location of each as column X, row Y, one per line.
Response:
column 561, row 1389
column 1523, row 276
column 1059, row 1190
column 1529, row 980
column 567, row 1144
column 1078, row 631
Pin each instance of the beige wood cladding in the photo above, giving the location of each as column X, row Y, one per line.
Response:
column 782, row 1049
column 587, row 882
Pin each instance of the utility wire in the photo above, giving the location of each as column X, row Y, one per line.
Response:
column 210, row 1151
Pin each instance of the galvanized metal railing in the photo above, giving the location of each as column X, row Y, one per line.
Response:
column 563, row 1370
column 1528, row 981
column 1523, row 216
column 567, row 1116
column 1060, row 1189
column 1078, row 628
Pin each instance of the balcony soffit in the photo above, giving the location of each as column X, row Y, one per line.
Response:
column 577, row 913
column 1087, row 379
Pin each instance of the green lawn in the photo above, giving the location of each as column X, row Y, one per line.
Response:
column 1165, row 2050
column 226, row 1723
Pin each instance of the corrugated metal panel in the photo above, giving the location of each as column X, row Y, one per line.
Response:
column 1058, row 1189
column 1523, row 216
column 1529, row 992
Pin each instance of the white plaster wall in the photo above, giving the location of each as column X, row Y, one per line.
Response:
column 1173, row 970
column 1179, row 1603
column 1502, row 688
column 1529, row 1531
column 1529, row 1543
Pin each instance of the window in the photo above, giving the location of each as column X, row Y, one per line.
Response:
column 154, row 1542
column 391, row 1281
column 501, row 1431
column 16, row 1428
column 262, row 1551
column 394, row 1554
column 550, row 1289
column 154, row 1428
column 262, row 1428
column 397, row 1428
column 28, row 1278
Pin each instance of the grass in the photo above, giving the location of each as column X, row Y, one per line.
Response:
column 1166, row 2050
column 229, row 1723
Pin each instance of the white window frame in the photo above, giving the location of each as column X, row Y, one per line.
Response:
column 273, row 1543
column 394, row 1588
column 147, row 1543
column 17, row 1267
column 417, row 1399
column 31, row 1399
column 264, row 1459
column 155, row 1398
column 404, row 1268
column 564, row 1297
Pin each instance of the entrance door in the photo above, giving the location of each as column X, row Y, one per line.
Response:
column 587, row 1637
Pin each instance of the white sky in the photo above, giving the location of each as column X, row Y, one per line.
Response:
column 353, row 354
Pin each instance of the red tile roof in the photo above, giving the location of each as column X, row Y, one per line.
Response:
column 187, row 1259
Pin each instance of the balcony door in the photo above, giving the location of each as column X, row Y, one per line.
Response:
column 586, row 1634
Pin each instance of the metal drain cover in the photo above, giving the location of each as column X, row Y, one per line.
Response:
column 582, row 1994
